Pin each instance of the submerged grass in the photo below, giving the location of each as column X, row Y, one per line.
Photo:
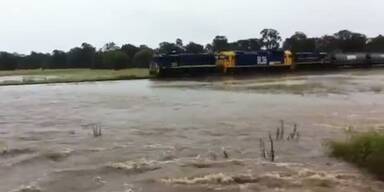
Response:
column 365, row 150
column 38, row 76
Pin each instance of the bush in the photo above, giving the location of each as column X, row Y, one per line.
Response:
column 365, row 150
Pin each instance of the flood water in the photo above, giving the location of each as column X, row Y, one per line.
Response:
column 187, row 135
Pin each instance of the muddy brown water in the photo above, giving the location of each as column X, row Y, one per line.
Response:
column 172, row 135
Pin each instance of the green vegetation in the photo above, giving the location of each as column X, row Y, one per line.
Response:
column 112, row 56
column 365, row 150
column 38, row 76
column 85, row 56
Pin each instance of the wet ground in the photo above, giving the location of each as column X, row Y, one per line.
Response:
column 187, row 135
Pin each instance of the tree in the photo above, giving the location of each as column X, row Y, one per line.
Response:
column 376, row 44
column 130, row 50
column 348, row 41
column 168, row 48
column 58, row 59
column 75, row 57
column 299, row 36
column 300, row 43
column 8, row 61
column 220, row 43
column 343, row 35
column 143, row 58
column 99, row 61
column 115, row 59
column 327, row 43
column 144, row 47
column 270, row 39
column 111, row 46
column 246, row 45
column 179, row 42
column 194, row 48
column 254, row 44
column 82, row 57
column 208, row 48
column 358, row 42
column 35, row 60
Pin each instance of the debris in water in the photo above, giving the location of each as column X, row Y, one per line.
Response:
column 262, row 148
column 168, row 157
column 28, row 189
column 99, row 180
column 57, row 155
column 138, row 167
column 219, row 178
column 73, row 132
column 130, row 188
column 278, row 134
column 15, row 152
column 295, row 134
column 320, row 182
column 97, row 131
column 213, row 155
column 272, row 153
column 226, row 155
column 211, row 164
column 3, row 147
column 282, row 130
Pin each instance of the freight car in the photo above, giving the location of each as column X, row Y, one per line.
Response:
column 376, row 58
column 336, row 60
column 349, row 59
column 310, row 58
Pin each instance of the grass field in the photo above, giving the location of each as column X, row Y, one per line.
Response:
column 38, row 76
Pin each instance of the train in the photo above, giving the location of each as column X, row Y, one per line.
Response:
column 227, row 61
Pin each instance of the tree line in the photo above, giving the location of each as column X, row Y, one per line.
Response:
column 111, row 56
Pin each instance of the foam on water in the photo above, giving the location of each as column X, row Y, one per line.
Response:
column 135, row 166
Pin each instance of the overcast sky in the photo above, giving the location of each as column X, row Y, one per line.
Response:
column 44, row 25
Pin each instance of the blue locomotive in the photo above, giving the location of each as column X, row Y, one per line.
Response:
column 166, row 64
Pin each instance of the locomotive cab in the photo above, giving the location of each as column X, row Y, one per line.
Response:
column 226, row 60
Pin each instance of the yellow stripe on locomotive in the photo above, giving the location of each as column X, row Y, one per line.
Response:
column 226, row 60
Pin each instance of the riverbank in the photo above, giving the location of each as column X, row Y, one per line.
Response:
column 39, row 76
